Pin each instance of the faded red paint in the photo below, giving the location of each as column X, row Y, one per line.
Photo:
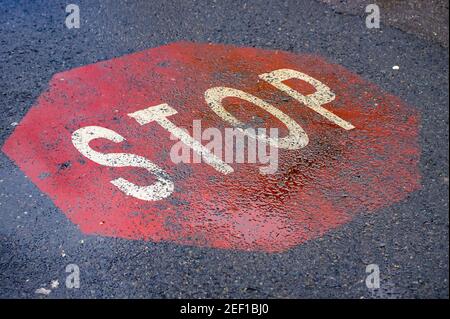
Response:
column 337, row 176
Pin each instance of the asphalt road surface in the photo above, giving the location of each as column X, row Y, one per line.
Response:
column 408, row 240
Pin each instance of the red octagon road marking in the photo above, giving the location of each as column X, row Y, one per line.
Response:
column 337, row 175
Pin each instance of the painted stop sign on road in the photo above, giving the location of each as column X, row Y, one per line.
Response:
column 100, row 142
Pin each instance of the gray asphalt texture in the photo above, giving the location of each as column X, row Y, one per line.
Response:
column 426, row 19
column 409, row 240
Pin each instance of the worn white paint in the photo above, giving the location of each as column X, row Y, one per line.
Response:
column 297, row 138
column 43, row 291
column 159, row 114
column 323, row 94
column 162, row 188
column 54, row 284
